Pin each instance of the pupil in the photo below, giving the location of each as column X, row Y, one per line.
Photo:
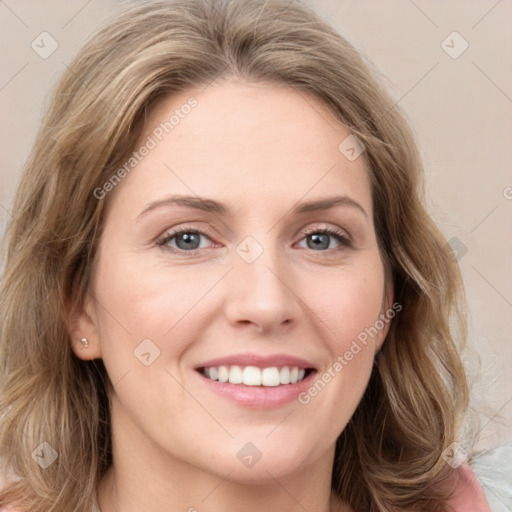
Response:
column 320, row 241
column 190, row 239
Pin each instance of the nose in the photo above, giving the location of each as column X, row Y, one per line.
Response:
column 261, row 294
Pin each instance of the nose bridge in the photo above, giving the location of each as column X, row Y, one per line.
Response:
column 261, row 288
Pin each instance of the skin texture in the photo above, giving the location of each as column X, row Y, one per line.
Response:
column 259, row 149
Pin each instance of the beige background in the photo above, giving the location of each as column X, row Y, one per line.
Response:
column 460, row 109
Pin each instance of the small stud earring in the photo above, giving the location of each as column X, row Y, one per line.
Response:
column 85, row 342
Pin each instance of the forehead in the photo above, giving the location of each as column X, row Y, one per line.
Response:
column 253, row 145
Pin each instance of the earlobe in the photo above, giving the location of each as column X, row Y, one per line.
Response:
column 84, row 333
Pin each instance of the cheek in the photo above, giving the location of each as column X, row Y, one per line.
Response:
column 139, row 302
column 349, row 308
column 144, row 327
column 349, row 304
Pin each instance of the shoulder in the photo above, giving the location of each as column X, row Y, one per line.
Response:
column 484, row 485
column 468, row 494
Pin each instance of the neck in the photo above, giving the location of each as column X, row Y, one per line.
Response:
column 143, row 477
column 211, row 495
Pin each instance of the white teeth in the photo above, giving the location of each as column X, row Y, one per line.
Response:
column 254, row 376
column 235, row 375
column 223, row 374
column 284, row 375
column 270, row 377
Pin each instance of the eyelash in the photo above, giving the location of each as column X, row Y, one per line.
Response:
column 340, row 237
column 344, row 241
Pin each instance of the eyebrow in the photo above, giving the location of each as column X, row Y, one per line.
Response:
column 211, row 206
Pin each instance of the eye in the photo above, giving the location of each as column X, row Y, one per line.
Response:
column 320, row 239
column 183, row 239
column 187, row 239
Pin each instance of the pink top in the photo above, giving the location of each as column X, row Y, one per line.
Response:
column 469, row 496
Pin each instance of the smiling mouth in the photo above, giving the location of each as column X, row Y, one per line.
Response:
column 271, row 376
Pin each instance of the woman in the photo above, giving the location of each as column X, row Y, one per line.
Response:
column 231, row 294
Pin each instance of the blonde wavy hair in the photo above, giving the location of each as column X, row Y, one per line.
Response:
column 389, row 457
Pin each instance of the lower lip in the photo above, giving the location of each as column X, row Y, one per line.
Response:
column 260, row 397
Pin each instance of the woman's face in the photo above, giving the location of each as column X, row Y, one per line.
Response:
column 251, row 288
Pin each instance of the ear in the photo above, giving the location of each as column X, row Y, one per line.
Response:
column 82, row 324
column 389, row 311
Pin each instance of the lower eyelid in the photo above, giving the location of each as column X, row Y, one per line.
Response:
column 341, row 238
column 167, row 237
column 342, row 241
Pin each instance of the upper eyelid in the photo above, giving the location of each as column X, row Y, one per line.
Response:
column 185, row 228
column 327, row 228
column 169, row 234
column 173, row 232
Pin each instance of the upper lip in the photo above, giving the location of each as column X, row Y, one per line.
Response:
column 258, row 361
